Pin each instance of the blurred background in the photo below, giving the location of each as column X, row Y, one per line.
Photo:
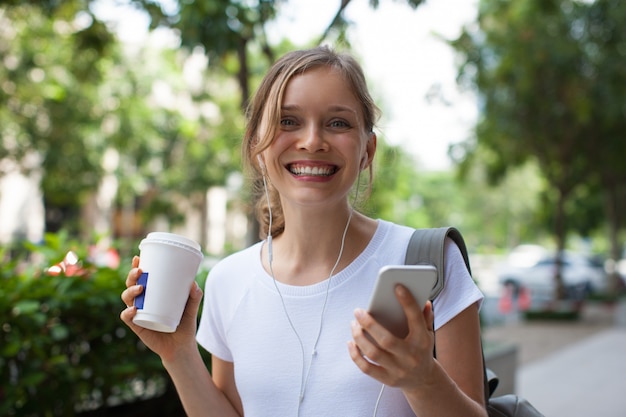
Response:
column 121, row 117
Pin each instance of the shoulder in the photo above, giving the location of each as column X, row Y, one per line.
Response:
column 227, row 284
column 248, row 256
column 236, row 267
column 393, row 232
column 459, row 291
column 389, row 243
column 453, row 256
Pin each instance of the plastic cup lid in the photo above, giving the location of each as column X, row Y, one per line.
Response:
column 172, row 239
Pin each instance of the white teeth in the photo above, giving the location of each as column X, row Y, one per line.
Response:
column 311, row 171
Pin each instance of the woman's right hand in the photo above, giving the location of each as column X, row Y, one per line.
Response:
column 167, row 345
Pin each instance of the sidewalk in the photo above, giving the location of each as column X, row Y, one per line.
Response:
column 585, row 379
column 570, row 369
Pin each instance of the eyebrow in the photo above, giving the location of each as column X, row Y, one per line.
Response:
column 336, row 108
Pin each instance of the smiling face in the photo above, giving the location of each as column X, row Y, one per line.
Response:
column 264, row 127
column 321, row 141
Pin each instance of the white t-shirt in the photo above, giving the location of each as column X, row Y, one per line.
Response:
column 243, row 321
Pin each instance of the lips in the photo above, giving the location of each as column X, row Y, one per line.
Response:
column 312, row 171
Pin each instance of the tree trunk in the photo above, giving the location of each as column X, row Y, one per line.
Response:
column 244, row 86
column 243, row 74
column 560, row 231
column 614, row 200
column 204, row 219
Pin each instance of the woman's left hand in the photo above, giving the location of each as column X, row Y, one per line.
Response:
column 406, row 363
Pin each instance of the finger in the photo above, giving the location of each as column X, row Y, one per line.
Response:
column 429, row 316
column 366, row 330
column 372, row 339
column 360, row 359
column 368, row 366
column 196, row 291
column 194, row 300
column 133, row 275
column 358, row 333
column 414, row 315
column 129, row 294
column 127, row 316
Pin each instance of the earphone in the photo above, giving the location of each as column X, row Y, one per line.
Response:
column 270, row 254
column 364, row 160
column 306, row 372
column 261, row 163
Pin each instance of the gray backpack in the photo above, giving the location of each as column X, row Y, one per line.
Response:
column 426, row 247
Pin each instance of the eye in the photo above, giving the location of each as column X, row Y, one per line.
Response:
column 339, row 124
column 287, row 122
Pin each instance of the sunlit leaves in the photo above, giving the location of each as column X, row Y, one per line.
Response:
column 551, row 79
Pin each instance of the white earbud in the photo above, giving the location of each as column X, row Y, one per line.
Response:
column 261, row 163
column 364, row 160
column 270, row 253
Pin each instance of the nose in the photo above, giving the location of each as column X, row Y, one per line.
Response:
column 313, row 139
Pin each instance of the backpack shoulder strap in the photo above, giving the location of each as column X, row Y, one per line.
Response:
column 426, row 247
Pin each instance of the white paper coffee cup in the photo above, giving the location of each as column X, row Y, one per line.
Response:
column 169, row 264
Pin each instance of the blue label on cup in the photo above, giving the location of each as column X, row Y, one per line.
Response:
column 143, row 281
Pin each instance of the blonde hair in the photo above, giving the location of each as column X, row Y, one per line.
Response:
column 264, row 111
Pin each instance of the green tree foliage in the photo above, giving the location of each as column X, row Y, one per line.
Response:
column 230, row 30
column 174, row 140
column 48, row 93
column 603, row 32
column 405, row 194
column 74, row 100
column 84, row 98
column 539, row 68
column 501, row 216
column 492, row 217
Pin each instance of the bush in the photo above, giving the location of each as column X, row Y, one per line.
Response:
column 64, row 350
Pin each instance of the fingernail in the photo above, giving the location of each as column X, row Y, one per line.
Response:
column 400, row 290
column 359, row 313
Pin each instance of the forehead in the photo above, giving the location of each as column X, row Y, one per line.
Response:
column 320, row 85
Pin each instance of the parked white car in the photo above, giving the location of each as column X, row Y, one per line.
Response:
column 533, row 267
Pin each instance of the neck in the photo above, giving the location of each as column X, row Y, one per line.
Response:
column 306, row 255
column 305, row 371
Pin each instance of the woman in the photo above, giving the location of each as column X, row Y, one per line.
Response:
column 278, row 314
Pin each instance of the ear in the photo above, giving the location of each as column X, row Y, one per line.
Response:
column 364, row 161
column 370, row 151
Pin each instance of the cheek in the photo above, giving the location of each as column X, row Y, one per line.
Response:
column 277, row 147
column 282, row 141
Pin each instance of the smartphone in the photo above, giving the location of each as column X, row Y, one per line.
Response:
column 385, row 307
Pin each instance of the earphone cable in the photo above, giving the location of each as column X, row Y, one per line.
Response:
column 380, row 395
column 304, row 372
